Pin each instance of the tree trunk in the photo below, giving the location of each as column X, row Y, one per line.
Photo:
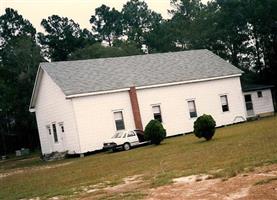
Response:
column 109, row 41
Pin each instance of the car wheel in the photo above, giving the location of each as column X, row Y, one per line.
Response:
column 126, row 146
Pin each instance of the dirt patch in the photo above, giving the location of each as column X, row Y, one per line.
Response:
column 192, row 178
column 129, row 184
column 3, row 175
column 18, row 171
column 258, row 184
column 243, row 186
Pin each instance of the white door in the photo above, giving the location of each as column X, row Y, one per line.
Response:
column 58, row 144
column 50, row 138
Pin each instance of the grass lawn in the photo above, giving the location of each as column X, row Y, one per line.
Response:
column 233, row 149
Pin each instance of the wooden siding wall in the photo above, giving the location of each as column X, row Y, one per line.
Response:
column 95, row 119
column 263, row 104
column 51, row 106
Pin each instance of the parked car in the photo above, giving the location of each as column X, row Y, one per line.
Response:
column 125, row 140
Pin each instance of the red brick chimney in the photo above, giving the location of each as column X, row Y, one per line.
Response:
column 135, row 107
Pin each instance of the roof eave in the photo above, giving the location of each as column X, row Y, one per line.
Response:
column 35, row 89
column 258, row 88
column 150, row 86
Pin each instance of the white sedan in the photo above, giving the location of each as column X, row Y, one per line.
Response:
column 125, row 140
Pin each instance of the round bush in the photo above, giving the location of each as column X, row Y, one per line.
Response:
column 204, row 126
column 155, row 132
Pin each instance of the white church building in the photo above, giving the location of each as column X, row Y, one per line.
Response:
column 80, row 104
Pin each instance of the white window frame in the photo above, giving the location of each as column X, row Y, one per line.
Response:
column 122, row 113
column 194, row 103
column 157, row 105
column 227, row 100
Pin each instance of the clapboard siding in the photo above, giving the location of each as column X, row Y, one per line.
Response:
column 174, row 106
column 51, row 106
column 263, row 104
column 95, row 118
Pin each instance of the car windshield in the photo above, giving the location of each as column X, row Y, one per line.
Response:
column 119, row 135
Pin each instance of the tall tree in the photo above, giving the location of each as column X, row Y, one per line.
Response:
column 220, row 26
column 184, row 16
column 232, row 31
column 20, row 59
column 138, row 19
column 119, row 48
column 272, row 72
column 13, row 24
column 107, row 23
column 192, row 26
column 161, row 38
column 261, row 17
column 63, row 36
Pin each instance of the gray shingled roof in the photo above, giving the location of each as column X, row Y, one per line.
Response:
column 84, row 76
column 252, row 87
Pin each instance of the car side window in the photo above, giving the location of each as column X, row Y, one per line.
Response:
column 131, row 134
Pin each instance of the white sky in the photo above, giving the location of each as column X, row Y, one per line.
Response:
column 78, row 10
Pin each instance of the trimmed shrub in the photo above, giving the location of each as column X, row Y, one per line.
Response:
column 204, row 126
column 155, row 132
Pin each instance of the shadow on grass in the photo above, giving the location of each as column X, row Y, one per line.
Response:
column 214, row 139
column 203, row 141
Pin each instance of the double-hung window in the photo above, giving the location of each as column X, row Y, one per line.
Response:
column 224, row 103
column 119, row 121
column 157, row 112
column 192, row 109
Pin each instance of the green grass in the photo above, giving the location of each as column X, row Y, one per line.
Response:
column 233, row 149
column 19, row 162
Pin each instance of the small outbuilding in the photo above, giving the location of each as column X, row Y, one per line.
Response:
column 258, row 100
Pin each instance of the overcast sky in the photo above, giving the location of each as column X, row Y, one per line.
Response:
column 78, row 10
